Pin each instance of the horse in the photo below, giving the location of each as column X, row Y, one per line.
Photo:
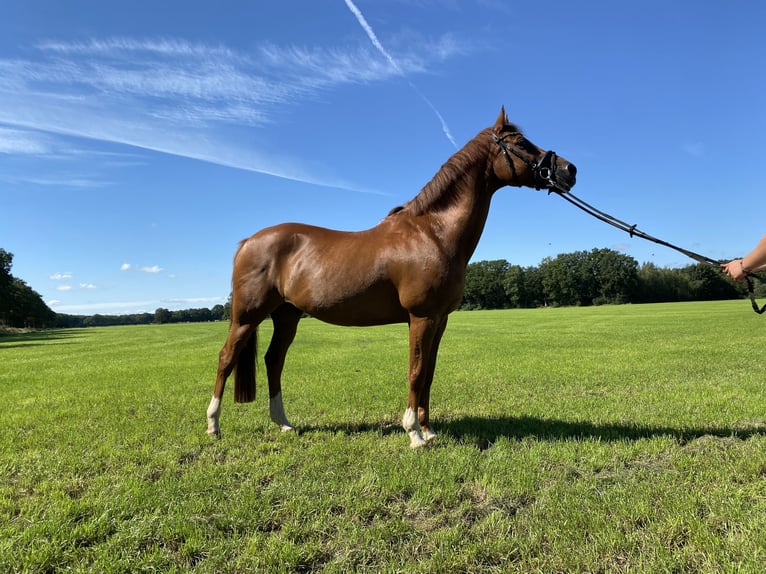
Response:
column 409, row 268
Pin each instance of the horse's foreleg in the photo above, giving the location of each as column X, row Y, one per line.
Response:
column 425, row 393
column 227, row 358
column 285, row 319
column 422, row 331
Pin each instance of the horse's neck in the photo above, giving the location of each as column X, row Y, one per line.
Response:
column 456, row 201
column 462, row 223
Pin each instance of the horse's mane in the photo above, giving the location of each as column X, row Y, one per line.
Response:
column 440, row 192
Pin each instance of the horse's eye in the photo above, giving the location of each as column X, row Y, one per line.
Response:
column 524, row 144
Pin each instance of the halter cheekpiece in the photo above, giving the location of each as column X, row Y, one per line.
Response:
column 544, row 170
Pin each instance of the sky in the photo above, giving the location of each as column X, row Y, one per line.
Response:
column 141, row 141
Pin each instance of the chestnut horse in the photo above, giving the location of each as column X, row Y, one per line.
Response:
column 410, row 268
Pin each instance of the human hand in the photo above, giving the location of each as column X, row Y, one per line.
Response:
column 735, row 269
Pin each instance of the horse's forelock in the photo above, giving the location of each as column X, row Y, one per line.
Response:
column 512, row 128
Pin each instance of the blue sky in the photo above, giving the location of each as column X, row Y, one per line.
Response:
column 140, row 141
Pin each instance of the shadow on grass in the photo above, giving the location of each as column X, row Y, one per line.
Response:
column 484, row 431
column 34, row 338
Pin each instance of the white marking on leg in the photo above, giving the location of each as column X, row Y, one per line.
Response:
column 412, row 426
column 277, row 413
column 213, row 413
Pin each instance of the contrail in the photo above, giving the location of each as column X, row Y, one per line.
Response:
column 379, row 47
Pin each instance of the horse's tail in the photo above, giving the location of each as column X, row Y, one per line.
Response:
column 244, row 375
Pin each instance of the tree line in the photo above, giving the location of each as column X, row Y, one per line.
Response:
column 596, row 277
column 160, row 316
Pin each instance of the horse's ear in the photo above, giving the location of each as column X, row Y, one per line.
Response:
column 502, row 120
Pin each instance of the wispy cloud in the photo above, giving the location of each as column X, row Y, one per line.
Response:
column 183, row 98
column 60, row 276
column 67, row 165
column 111, row 45
column 145, row 269
column 152, row 269
column 14, row 141
column 379, row 47
column 57, row 180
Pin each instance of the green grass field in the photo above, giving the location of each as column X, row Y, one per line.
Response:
column 608, row 439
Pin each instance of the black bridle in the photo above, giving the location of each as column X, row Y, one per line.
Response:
column 543, row 170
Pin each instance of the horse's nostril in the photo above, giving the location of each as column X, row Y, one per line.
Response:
column 571, row 169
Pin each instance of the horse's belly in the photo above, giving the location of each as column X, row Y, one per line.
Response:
column 359, row 317
column 371, row 305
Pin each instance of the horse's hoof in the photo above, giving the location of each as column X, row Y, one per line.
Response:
column 286, row 428
column 429, row 436
column 416, row 440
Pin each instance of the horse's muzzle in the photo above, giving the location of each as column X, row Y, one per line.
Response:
column 566, row 175
column 556, row 173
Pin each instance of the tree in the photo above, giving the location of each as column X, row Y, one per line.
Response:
column 20, row 305
column 709, row 284
column 523, row 287
column 484, row 285
column 227, row 309
column 6, row 283
column 514, row 286
column 563, row 280
column 217, row 312
column 162, row 315
column 6, row 262
column 590, row 278
column 616, row 276
column 533, row 285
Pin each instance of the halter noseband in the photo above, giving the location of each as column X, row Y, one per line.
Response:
column 544, row 170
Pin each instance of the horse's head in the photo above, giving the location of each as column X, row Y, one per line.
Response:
column 519, row 162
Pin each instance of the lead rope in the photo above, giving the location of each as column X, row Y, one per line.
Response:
column 751, row 294
column 633, row 231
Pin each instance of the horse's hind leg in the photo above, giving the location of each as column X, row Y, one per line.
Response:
column 239, row 337
column 285, row 319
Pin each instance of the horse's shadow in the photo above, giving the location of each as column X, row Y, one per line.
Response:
column 483, row 432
